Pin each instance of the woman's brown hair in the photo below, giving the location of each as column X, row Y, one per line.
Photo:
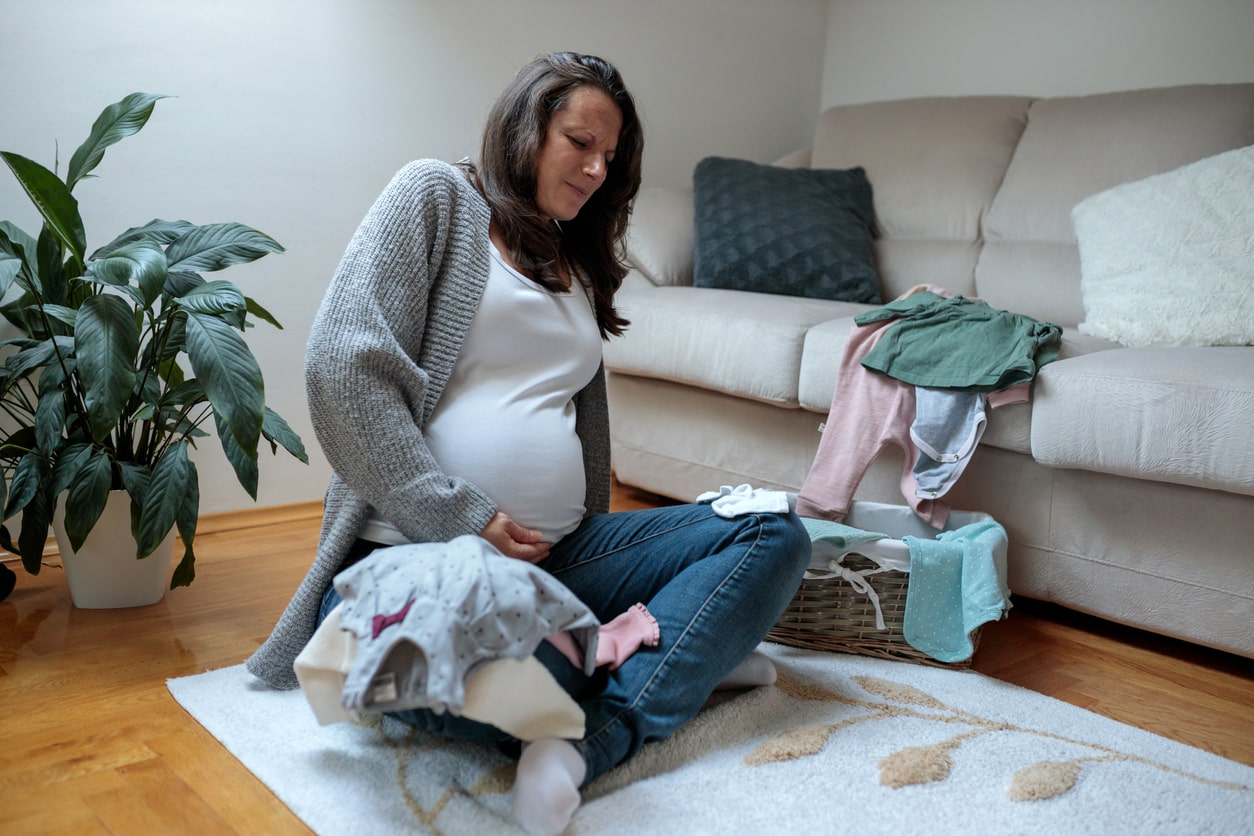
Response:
column 589, row 245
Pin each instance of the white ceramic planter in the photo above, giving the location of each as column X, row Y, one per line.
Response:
column 104, row 573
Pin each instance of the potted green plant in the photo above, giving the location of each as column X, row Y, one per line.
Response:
column 95, row 399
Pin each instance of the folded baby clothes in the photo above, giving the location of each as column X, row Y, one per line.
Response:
column 426, row 614
column 957, row 583
column 521, row 698
column 322, row 667
column 838, row 534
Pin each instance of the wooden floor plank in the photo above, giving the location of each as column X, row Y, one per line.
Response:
column 58, row 807
column 92, row 742
column 156, row 800
column 226, row 786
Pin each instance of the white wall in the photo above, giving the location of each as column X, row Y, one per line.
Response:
column 291, row 116
column 888, row 49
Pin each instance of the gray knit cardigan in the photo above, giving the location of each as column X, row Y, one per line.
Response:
column 380, row 352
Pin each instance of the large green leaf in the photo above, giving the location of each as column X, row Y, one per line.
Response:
column 65, row 469
column 25, row 483
column 106, row 341
column 50, row 420
column 171, row 477
column 246, row 470
column 54, row 374
column 53, row 280
column 36, row 517
column 274, row 428
column 141, row 262
column 216, row 297
column 16, row 243
column 61, row 313
column 87, row 497
column 115, row 123
column 135, row 479
column 188, row 513
column 53, row 200
column 43, row 353
column 179, row 283
column 9, row 268
column 232, row 379
column 215, row 246
column 260, row 312
column 156, row 230
column 185, row 572
column 15, row 312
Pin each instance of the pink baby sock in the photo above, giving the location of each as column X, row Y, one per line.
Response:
column 624, row 635
column 616, row 640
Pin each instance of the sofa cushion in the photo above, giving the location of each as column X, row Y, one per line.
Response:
column 741, row 343
column 935, row 164
column 659, row 237
column 1177, row 415
column 797, row 232
column 1169, row 260
column 1010, row 425
column 821, row 354
column 1074, row 147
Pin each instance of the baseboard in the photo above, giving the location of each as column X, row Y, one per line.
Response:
column 224, row 521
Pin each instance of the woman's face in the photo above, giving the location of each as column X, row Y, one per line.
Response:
column 577, row 150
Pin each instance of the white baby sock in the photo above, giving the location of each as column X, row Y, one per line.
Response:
column 729, row 502
column 546, row 789
column 755, row 670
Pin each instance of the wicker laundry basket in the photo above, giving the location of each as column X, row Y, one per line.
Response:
column 833, row 609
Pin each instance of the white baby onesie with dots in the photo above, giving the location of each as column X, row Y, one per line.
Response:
column 426, row 614
column 521, row 698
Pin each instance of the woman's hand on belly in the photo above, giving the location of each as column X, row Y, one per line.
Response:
column 514, row 540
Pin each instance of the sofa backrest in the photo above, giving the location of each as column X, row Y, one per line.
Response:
column 1078, row 146
column 935, row 165
column 974, row 193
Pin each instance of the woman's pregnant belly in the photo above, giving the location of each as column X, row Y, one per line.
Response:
column 521, row 450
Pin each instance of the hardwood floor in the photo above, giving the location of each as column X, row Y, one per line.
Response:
column 92, row 742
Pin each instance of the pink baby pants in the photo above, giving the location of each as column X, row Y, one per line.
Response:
column 869, row 411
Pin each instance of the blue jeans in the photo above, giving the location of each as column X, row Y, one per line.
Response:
column 715, row 587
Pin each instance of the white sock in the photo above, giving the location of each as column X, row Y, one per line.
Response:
column 755, row 670
column 546, row 789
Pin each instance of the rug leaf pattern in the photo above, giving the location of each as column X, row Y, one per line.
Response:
column 915, row 765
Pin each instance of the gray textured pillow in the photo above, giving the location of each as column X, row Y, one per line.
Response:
column 793, row 231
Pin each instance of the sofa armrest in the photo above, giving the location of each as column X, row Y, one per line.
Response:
column 659, row 238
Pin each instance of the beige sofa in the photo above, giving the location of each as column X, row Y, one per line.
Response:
column 1126, row 485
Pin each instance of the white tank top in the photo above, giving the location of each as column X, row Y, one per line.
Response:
column 506, row 418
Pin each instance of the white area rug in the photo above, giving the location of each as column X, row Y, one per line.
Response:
column 843, row 744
